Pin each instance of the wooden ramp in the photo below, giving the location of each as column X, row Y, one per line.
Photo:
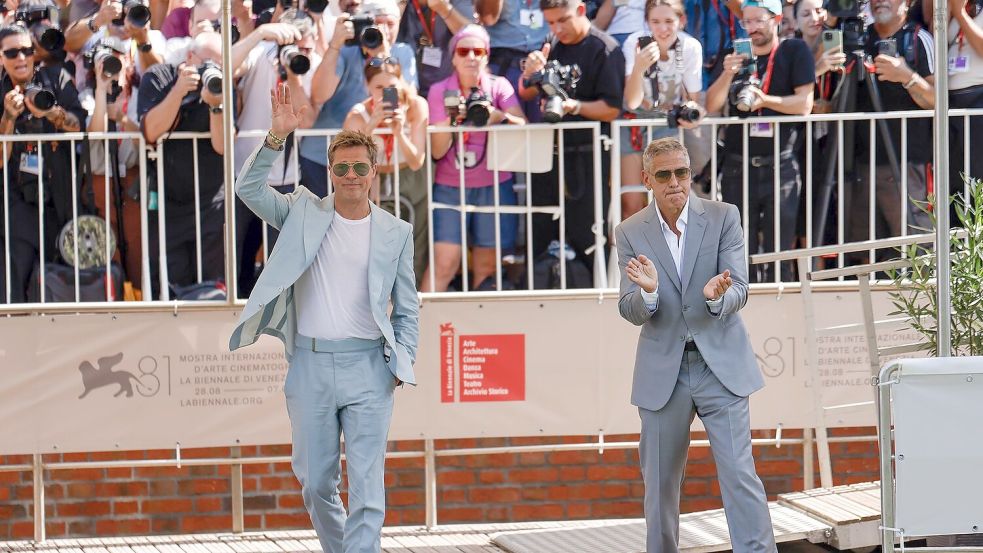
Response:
column 853, row 512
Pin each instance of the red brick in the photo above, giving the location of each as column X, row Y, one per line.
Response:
column 122, row 527
column 206, row 523
column 460, row 514
column 125, row 507
column 153, row 506
column 123, row 473
column 494, row 495
column 290, row 501
column 532, row 458
column 617, row 472
column 454, row 495
column 256, row 469
column 573, row 457
column 208, row 504
column 618, row 509
column 578, row 511
column 87, row 508
column 398, row 498
column 203, row 486
column 549, row 511
column 456, row 478
column 274, row 483
column 298, row 520
column 410, row 479
column 491, row 476
column 534, row 475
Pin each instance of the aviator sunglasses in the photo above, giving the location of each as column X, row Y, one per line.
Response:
column 341, row 168
column 663, row 176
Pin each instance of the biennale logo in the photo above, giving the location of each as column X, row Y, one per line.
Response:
column 93, row 378
column 481, row 367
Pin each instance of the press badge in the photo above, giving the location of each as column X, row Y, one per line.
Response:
column 531, row 18
column 29, row 164
column 432, row 56
column 762, row 130
column 470, row 160
column 959, row 64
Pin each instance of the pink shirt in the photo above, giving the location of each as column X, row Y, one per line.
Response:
column 477, row 175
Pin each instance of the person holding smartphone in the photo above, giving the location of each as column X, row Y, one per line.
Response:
column 487, row 100
column 395, row 106
column 764, row 76
column 663, row 79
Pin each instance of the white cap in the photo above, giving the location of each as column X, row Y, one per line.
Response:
column 380, row 7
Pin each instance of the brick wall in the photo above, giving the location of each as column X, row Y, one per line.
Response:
column 484, row 488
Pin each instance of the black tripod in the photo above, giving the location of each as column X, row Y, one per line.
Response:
column 845, row 101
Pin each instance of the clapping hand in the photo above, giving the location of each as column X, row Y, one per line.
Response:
column 718, row 286
column 286, row 117
column 642, row 272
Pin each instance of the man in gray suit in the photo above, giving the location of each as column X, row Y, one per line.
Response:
column 684, row 278
column 325, row 293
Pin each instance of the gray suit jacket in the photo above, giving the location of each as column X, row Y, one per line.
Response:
column 303, row 220
column 714, row 242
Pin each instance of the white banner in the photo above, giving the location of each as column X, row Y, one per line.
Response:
column 485, row 368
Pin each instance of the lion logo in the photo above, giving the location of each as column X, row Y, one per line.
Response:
column 93, row 378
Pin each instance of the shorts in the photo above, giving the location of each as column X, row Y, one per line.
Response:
column 644, row 137
column 480, row 227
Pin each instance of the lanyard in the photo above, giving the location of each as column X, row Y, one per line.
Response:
column 724, row 20
column 766, row 81
column 427, row 30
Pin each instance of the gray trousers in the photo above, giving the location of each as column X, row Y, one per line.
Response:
column 663, row 449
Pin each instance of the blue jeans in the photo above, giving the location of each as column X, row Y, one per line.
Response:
column 480, row 227
column 346, row 390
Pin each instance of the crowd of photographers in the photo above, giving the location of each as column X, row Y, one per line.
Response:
column 396, row 66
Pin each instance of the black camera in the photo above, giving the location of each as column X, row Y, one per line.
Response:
column 43, row 24
column 476, row 107
column 210, row 79
column 234, row 31
column 681, row 112
column 556, row 82
column 41, row 97
column 366, row 32
column 104, row 52
column 291, row 56
column 137, row 12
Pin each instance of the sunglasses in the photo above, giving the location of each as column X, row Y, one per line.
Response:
column 379, row 62
column 12, row 53
column 463, row 51
column 663, row 176
column 341, row 168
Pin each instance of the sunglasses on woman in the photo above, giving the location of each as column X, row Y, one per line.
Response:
column 463, row 51
column 341, row 168
column 12, row 53
column 379, row 62
column 663, row 176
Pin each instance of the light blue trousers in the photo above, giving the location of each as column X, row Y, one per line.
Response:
column 663, row 449
column 343, row 388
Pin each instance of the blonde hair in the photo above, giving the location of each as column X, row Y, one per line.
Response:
column 662, row 146
column 675, row 5
column 353, row 139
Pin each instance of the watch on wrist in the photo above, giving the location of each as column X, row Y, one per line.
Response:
column 911, row 82
column 215, row 109
column 146, row 47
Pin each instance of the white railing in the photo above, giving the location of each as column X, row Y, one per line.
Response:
column 520, row 148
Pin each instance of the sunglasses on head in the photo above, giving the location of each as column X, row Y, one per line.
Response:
column 379, row 62
column 663, row 176
column 463, row 51
column 12, row 53
column 341, row 168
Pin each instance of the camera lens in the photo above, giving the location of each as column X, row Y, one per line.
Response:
column 553, row 111
column 291, row 57
column 41, row 98
column 111, row 65
column 371, row 37
column 138, row 15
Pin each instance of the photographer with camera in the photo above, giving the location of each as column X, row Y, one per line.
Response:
column 663, row 72
column 430, row 25
column 339, row 82
column 41, row 18
column 901, row 55
column 584, row 81
column 471, row 97
column 769, row 77
column 39, row 100
column 127, row 20
column 106, row 99
column 188, row 97
column 267, row 63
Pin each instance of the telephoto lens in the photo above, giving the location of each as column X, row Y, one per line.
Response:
column 292, row 57
column 42, row 98
column 211, row 77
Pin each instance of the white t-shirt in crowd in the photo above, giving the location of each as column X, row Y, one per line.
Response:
column 678, row 73
column 332, row 296
column 260, row 75
column 628, row 18
column 965, row 65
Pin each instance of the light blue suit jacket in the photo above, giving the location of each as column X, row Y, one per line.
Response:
column 303, row 220
column 714, row 242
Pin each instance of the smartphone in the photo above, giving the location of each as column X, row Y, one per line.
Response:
column 644, row 41
column 832, row 38
column 742, row 47
column 888, row 47
column 390, row 98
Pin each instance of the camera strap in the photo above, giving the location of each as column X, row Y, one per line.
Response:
column 769, row 69
column 427, row 29
column 724, row 21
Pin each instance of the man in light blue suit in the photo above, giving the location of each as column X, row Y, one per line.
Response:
column 693, row 355
column 325, row 293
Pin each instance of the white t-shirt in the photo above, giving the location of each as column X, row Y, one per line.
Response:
column 332, row 296
column 682, row 71
column 628, row 18
column 261, row 73
column 965, row 65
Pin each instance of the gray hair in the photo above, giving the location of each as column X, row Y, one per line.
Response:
column 662, row 146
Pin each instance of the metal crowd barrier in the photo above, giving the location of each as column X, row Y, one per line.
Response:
column 520, row 149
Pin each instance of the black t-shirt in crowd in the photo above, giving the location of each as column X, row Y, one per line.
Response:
column 794, row 66
column 915, row 46
column 178, row 159
column 602, row 67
